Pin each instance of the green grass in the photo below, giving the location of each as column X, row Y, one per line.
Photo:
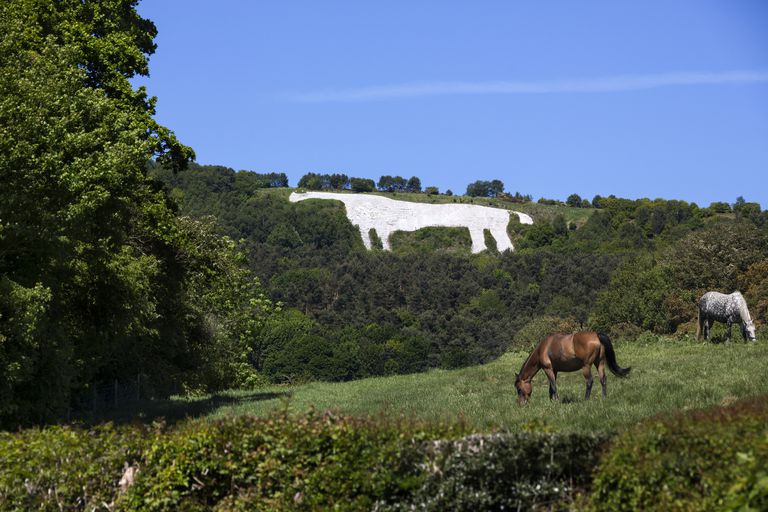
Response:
column 667, row 376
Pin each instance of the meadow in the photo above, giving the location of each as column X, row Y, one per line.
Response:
column 668, row 375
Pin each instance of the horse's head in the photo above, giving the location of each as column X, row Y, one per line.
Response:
column 298, row 196
column 749, row 327
column 524, row 388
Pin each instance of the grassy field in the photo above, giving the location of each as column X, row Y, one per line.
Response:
column 667, row 376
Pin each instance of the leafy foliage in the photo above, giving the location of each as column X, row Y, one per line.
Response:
column 482, row 188
column 699, row 460
column 707, row 460
column 100, row 279
column 307, row 462
column 505, row 471
column 315, row 181
column 64, row 468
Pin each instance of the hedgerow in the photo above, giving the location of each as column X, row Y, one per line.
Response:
column 505, row 471
column 702, row 460
column 65, row 468
column 715, row 459
column 312, row 461
column 309, row 462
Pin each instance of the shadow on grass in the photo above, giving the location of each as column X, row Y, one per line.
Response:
column 721, row 339
column 173, row 411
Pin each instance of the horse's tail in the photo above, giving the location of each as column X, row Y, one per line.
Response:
column 610, row 357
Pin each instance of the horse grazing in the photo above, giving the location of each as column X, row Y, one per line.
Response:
column 729, row 309
column 568, row 353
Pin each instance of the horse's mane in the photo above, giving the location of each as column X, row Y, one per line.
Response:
column 742, row 305
column 527, row 359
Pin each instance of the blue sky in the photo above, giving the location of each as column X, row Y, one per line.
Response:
column 642, row 99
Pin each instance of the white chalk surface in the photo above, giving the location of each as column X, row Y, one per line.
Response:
column 386, row 216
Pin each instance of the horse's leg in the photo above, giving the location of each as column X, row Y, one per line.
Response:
column 552, row 376
column 502, row 238
column 730, row 324
column 601, row 376
column 365, row 234
column 587, row 371
column 700, row 331
column 384, row 237
column 478, row 240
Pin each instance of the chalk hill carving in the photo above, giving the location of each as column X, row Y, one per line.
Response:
column 388, row 215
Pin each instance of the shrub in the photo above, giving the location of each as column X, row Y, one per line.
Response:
column 519, row 471
column 713, row 459
column 308, row 462
column 67, row 468
column 642, row 293
column 313, row 461
column 754, row 283
column 624, row 331
column 541, row 327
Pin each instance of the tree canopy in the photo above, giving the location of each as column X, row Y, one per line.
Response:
column 482, row 188
column 98, row 276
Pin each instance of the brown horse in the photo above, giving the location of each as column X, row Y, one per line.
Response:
column 568, row 353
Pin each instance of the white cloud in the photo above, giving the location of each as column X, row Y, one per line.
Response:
column 586, row 85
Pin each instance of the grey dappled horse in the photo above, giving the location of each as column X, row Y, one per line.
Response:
column 729, row 309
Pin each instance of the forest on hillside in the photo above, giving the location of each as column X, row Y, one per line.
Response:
column 347, row 313
column 120, row 258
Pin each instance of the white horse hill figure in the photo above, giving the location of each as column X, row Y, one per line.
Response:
column 386, row 216
column 730, row 309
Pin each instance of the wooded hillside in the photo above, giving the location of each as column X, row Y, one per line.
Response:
column 624, row 267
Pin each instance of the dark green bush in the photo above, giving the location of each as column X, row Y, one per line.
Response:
column 716, row 459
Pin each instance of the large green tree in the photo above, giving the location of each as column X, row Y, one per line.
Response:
column 98, row 277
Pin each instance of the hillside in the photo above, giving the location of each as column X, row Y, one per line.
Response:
column 626, row 267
